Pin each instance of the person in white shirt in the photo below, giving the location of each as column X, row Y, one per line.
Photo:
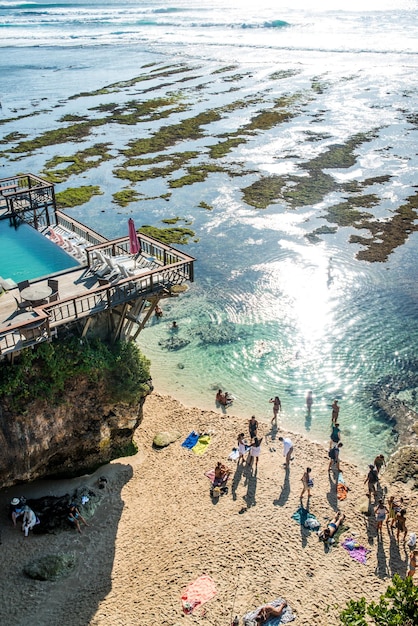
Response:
column 29, row 520
column 287, row 449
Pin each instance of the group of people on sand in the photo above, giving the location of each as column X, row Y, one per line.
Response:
column 19, row 509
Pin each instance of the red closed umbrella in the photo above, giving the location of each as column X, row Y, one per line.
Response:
column 134, row 245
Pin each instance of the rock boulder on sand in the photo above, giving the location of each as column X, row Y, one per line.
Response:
column 164, row 438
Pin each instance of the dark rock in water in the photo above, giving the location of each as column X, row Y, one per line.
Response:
column 180, row 366
column 173, row 343
column 51, row 566
column 210, row 333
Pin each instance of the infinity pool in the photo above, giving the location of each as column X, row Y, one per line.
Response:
column 26, row 254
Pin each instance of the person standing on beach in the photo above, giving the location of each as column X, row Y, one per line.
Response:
column 287, row 450
column 401, row 525
column 412, row 563
column 253, row 427
column 309, row 401
column 242, row 447
column 335, row 411
column 277, row 406
column 254, row 453
column 371, row 480
column 379, row 462
column 380, row 511
column 307, row 482
column 334, row 456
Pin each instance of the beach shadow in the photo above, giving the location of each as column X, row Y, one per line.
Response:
column 371, row 527
column 285, row 492
column 332, row 493
column 87, row 547
column 304, row 532
column 272, row 432
column 382, row 570
column 236, row 480
column 251, row 482
column 397, row 565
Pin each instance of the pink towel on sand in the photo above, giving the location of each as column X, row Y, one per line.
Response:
column 211, row 475
column 197, row 593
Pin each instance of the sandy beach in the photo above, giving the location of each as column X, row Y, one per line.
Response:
column 157, row 529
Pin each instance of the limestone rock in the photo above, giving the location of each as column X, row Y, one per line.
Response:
column 81, row 433
column 50, row 566
column 403, row 466
column 164, row 438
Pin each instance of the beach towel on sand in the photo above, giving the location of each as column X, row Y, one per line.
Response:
column 342, row 488
column 355, row 550
column 234, row 455
column 211, row 475
column 301, row 515
column 202, row 444
column 286, row 617
column 191, row 440
column 197, row 593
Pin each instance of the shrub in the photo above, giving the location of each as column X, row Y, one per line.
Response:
column 398, row 606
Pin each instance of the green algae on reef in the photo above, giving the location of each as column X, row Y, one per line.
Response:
column 173, row 161
column 196, row 174
column 205, row 205
column 125, row 197
column 78, row 163
column 76, row 196
column 169, row 236
column 118, row 86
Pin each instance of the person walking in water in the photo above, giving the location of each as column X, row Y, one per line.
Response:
column 277, row 406
column 309, row 401
column 335, row 411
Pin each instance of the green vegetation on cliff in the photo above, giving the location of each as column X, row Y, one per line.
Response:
column 121, row 369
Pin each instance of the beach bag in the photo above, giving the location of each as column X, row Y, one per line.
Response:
column 312, row 523
column 412, row 541
column 310, row 482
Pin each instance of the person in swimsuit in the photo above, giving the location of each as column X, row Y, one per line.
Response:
column 401, row 524
column 74, row 516
column 309, row 401
column 277, row 406
column 335, row 411
column 254, row 453
column 379, row 462
column 253, row 427
column 221, row 474
column 268, row 611
column 242, row 447
column 412, row 563
column 332, row 527
column 307, row 482
column 335, row 435
column 380, row 511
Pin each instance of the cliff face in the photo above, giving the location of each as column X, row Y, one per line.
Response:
column 81, row 432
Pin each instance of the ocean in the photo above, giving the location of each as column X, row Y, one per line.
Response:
column 298, row 181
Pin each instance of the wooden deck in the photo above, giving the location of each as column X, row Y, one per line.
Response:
column 81, row 296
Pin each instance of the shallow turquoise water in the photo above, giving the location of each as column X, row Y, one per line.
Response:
column 273, row 310
column 26, row 254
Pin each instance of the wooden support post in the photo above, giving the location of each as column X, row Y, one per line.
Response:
column 121, row 321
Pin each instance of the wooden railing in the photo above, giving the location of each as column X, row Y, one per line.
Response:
column 81, row 230
column 50, row 316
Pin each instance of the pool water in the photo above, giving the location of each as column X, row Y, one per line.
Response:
column 26, row 254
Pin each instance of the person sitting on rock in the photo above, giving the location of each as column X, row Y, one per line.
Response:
column 29, row 520
column 74, row 516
